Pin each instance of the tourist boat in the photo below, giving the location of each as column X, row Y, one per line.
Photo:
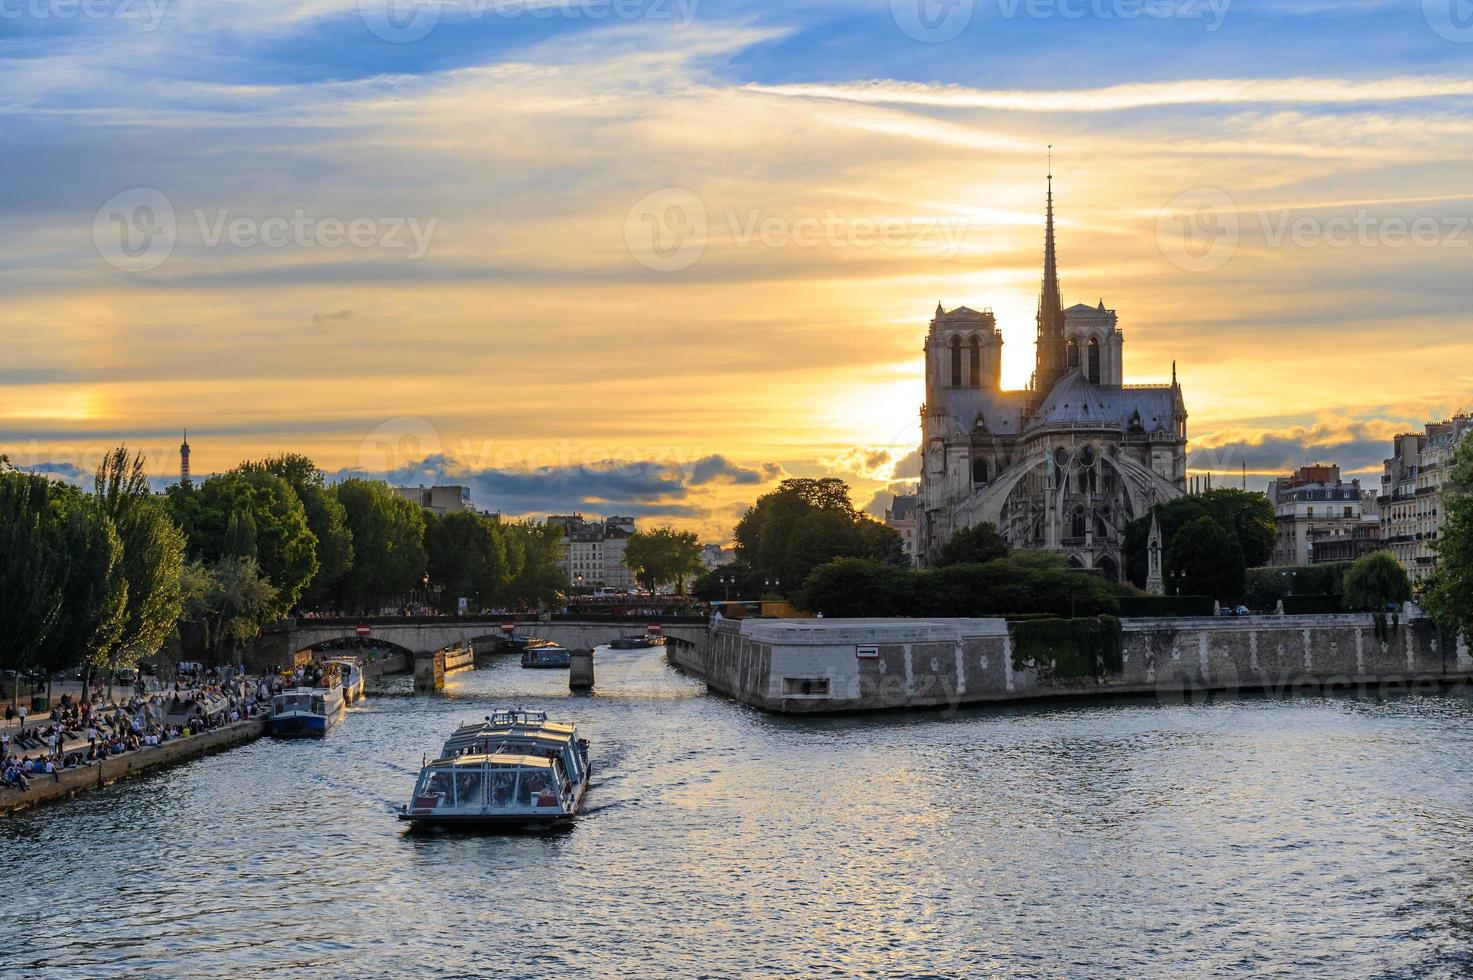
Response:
column 515, row 769
column 641, row 642
column 351, row 669
column 543, row 654
column 307, row 710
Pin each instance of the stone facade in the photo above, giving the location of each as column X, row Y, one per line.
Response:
column 1062, row 465
column 1411, row 493
column 1313, row 505
column 593, row 551
column 804, row 666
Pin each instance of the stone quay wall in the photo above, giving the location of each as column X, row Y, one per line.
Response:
column 114, row 768
column 807, row 666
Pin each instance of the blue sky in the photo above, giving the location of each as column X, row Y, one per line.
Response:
column 502, row 166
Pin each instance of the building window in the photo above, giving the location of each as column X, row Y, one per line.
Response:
column 1094, row 360
column 979, row 470
column 974, row 364
column 956, row 362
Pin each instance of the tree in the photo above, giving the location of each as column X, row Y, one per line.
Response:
column 1375, row 581
column 388, row 545
column 976, row 544
column 31, row 572
column 466, row 555
column 1247, row 516
column 94, row 590
column 227, row 603
column 805, row 523
column 326, row 518
column 286, row 549
column 858, row 587
column 540, row 578
column 1449, row 595
column 662, row 555
column 1205, row 559
column 153, row 554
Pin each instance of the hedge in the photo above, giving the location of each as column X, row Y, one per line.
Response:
column 1301, row 605
column 1160, row 606
column 1068, row 648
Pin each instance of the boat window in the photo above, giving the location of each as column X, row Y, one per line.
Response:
column 535, row 783
column 503, row 784
column 468, row 788
column 434, row 789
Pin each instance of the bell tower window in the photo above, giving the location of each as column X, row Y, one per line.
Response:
column 1094, row 360
column 956, row 362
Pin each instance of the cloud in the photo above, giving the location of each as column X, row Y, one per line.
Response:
column 343, row 315
column 1114, row 98
column 718, row 469
column 1356, row 446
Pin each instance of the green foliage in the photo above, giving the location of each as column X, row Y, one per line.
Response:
column 1375, row 580
column 973, row 545
column 1205, row 559
column 858, row 587
column 389, row 557
column 32, row 570
column 227, row 603
column 1449, row 595
column 538, row 579
column 805, row 523
column 1160, row 606
column 748, row 583
column 286, row 549
column 1302, row 604
column 466, row 556
column 1266, row 586
column 1247, row 516
column 326, row 518
column 64, row 596
column 661, row 556
column 153, row 554
column 1068, row 649
column 1024, row 583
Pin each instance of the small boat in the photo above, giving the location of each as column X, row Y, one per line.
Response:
column 641, row 642
column 351, row 670
column 515, row 769
column 306, row 710
column 545, row 655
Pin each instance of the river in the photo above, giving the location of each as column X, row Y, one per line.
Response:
column 1319, row 837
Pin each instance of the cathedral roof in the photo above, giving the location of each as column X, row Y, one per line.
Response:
column 999, row 412
column 1076, row 399
column 966, row 312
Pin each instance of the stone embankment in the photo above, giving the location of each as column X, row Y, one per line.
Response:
column 830, row 665
column 94, row 774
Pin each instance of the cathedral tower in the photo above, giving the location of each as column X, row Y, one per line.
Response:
column 1052, row 354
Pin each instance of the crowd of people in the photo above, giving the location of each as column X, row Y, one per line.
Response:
column 91, row 727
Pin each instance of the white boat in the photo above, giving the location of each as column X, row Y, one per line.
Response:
column 306, row 710
column 515, row 769
column 351, row 670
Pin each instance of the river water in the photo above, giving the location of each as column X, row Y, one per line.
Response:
column 1324, row 837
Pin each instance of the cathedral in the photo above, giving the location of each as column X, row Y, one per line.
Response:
column 1064, row 464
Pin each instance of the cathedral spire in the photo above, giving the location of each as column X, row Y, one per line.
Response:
column 1051, row 355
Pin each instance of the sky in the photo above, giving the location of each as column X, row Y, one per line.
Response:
column 649, row 257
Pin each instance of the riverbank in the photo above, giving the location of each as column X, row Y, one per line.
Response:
column 820, row 666
column 96, row 774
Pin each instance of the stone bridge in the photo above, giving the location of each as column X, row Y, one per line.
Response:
column 426, row 634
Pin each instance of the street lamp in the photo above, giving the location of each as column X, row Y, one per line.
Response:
column 727, row 581
column 773, row 583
